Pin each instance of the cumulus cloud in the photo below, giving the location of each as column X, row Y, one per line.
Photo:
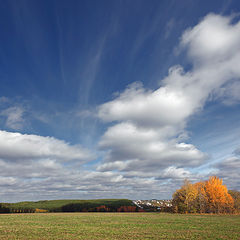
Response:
column 149, row 123
column 35, row 166
column 214, row 39
column 16, row 147
column 136, row 145
column 146, row 108
column 175, row 173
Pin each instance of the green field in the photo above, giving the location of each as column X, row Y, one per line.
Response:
column 118, row 226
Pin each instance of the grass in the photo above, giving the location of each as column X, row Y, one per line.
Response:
column 118, row 226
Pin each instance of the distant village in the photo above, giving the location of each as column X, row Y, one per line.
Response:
column 154, row 205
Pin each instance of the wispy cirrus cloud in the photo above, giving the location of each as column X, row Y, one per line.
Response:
column 14, row 117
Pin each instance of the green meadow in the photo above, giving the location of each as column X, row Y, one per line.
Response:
column 118, row 226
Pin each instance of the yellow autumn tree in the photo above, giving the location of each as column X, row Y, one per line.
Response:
column 201, row 200
column 191, row 196
column 218, row 198
column 184, row 198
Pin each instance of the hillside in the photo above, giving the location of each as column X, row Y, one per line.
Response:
column 69, row 205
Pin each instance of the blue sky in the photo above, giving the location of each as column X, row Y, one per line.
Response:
column 117, row 98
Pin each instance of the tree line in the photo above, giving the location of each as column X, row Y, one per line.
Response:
column 108, row 205
column 209, row 196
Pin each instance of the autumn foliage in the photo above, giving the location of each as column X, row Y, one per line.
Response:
column 236, row 197
column 210, row 196
column 38, row 210
column 127, row 209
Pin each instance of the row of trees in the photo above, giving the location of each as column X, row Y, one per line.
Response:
column 73, row 208
column 209, row 196
column 6, row 209
column 76, row 207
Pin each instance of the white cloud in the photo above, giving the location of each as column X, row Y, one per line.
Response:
column 109, row 166
column 150, row 122
column 17, row 146
column 7, row 181
column 147, row 108
column 173, row 172
column 33, row 167
column 147, row 148
column 214, row 39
